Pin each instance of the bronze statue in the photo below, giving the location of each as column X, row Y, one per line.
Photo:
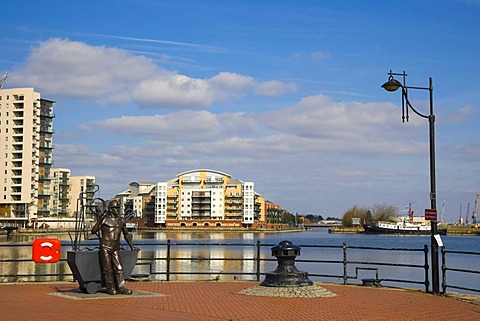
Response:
column 111, row 226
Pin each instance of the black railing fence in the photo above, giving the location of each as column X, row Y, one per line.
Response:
column 453, row 270
column 170, row 260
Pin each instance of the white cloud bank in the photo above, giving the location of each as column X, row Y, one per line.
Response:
column 64, row 68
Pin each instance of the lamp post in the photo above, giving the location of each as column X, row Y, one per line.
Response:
column 392, row 85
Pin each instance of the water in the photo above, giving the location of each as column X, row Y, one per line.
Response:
column 315, row 236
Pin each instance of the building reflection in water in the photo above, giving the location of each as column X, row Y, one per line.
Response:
column 199, row 258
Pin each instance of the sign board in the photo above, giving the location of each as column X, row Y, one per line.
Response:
column 355, row 220
column 430, row 215
column 438, row 239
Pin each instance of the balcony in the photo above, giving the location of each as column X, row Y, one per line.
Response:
column 47, row 129
column 191, row 180
column 16, row 190
column 44, row 192
column 200, row 207
column 46, row 145
column 46, row 161
column 201, row 194
column 17, row 164
column 47, row 113
column 18, row 106
column 17, row 132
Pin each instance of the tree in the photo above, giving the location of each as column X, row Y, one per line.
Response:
column 384, row 212
column 355, row 211
column 368, row 218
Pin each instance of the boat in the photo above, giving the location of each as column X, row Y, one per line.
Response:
column 405, row 225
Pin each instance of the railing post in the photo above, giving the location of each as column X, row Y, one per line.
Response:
column 344, row 263
column 444, row 271
column 427, row 282
column 168, row 259
column 258, row 260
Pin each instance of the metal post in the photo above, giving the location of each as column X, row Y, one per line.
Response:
column 393, row 85
column 345, row 277
column 168, row 260
column 433, row 195
column 425, row 252
column 258, row 260
column 444, row 271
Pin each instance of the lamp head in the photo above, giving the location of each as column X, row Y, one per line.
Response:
column 392, row 84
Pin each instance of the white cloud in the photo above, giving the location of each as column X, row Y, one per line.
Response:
column 275, row 88
column 174, row 91
column 72, row 69
column 182, row 125
column 348, row 127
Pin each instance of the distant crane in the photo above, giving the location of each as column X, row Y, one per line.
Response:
column 2, row 81
column 460, row 219
column 475, row 212
column 442, row 213
column 467, row 214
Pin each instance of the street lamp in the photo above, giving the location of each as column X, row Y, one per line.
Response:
column 392, row 85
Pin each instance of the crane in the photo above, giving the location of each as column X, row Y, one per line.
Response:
column 460, row 219
column 2, row 81
column 467, row 214
column 475, row 212
column 442, row 214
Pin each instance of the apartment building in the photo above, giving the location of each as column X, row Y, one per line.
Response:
column 26, row 129
column 67, row 195
column 200, row 197
column 32, row 193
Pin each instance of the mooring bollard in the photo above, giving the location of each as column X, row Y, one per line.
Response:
column 286, row 274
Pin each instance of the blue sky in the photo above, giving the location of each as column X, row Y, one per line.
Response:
column 283, row 93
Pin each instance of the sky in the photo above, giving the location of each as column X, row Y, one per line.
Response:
column 283, row 93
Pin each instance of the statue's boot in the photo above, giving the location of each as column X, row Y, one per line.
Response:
column 122, row 288
column 109, row 284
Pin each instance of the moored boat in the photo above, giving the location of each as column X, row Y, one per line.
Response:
column 401, row 227
column 405, row 225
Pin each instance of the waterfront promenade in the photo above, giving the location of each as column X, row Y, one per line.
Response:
column 224, row 301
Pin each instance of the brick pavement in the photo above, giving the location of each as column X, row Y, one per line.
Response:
column 222, row 301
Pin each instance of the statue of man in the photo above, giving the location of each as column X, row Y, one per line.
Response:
column 111, row 227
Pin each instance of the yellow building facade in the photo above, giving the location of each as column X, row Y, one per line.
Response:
column 200, row 197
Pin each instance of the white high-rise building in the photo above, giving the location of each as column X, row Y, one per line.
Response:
column 26, row 129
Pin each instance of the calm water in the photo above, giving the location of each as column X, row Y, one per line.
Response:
column 316, row 236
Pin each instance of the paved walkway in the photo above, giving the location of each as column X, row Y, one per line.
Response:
column 223, row 301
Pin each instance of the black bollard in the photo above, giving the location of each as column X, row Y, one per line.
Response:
column 286, row 274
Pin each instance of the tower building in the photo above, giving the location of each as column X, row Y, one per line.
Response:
column 26, row 129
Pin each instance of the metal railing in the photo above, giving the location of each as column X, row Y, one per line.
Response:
column 457, row 269
column 348, row 261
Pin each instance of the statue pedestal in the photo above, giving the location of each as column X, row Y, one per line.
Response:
column 86, row 269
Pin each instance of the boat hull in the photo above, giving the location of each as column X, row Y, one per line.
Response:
column 373, row 229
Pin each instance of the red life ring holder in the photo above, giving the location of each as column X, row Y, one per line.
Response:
column 46, row 250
